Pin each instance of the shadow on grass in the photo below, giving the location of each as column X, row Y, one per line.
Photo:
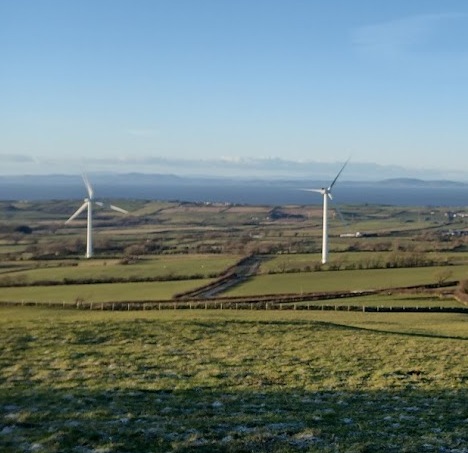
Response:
column 392, row 332
column 333, row 326
column 201, row 419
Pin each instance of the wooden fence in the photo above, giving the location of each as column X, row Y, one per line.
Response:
column 234, row 305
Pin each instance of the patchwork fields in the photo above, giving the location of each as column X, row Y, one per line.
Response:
column 232, row 380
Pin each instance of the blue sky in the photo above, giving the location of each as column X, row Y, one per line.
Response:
column 119, row 84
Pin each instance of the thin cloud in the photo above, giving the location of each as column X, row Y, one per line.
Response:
column 260, row 165
column 16, row 158
column 402, row 37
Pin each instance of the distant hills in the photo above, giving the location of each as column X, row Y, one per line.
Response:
column 248, row 190
column 226, row 167
column 163, row 179
column 414, row 182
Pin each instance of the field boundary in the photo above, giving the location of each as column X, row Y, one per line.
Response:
column 212, row 305
column 305, row 301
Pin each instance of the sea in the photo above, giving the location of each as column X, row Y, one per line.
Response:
column 242, row 192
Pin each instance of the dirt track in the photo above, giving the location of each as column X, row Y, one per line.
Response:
column 237, row 274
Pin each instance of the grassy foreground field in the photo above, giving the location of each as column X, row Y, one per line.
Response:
column 73, row 381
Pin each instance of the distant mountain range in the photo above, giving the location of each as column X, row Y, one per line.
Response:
column 234, row 167
column 413, row 182
column 248, row 190
column 142, row 179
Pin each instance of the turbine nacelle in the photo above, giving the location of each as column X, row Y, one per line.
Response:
column 322, row 191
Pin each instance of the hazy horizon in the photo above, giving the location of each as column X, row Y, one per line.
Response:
column 232, row 168
column 171, row 86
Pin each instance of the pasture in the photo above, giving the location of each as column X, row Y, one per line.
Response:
column 74, row 381
column 354, row 280
column 162, row 249
column 110, row 283
column 102, row 292
column 171, row 267
column 230, row 380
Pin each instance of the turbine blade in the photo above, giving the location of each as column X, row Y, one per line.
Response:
column 340, row 214
column 338, row 175
column 78, row 211
column 116, row 208
column 88, row 186
column 110, row 206
column 312, row 190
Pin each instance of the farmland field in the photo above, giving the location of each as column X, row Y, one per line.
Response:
column 168, row 267
column 105, row 292
column 231, row 380
column 74, row 381
column 182, row 273
column 342, row 280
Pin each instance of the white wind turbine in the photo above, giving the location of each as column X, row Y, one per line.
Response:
column 88, row 204
column 326, row 193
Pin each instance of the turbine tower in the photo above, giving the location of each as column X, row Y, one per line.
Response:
column 326, row 193
column 88, row 204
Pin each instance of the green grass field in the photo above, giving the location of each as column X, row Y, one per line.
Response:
column 75, row 381
column 225, row 380
column 104, row 292
column 166, row 266
column 343, row 280
column 288, row 262
column 188, row 265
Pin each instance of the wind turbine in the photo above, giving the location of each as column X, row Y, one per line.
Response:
column 88, row 204
column 326, row 193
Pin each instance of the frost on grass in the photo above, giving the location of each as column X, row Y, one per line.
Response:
column 217, row 385
column 138, row 421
